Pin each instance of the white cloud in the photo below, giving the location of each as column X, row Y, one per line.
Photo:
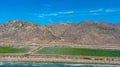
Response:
column 94, row 13
column 109, row 10
column 97, row 10
column 100, row 11
column 104, row 10
column 66, row 12
column 55, row 14
column 50, row 14
column 112, row 10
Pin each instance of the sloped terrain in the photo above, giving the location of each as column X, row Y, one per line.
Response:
column 86, row 32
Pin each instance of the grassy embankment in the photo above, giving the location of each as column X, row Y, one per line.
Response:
column 79, row 52
column 8, row 49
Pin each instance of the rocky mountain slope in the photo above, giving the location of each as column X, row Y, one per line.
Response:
column 86, row 32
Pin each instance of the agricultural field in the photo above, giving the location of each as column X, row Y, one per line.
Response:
column 79, row 51
column 8, row 49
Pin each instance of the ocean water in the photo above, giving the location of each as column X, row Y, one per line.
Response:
column 27, row 64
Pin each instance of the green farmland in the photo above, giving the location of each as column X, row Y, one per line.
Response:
column 79, row 52
column 7, row 49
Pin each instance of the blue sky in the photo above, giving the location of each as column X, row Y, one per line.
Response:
column 54, row 11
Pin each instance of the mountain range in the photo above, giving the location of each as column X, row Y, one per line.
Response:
column 85, row 32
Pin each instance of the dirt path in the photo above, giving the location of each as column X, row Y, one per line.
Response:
column 35, row 50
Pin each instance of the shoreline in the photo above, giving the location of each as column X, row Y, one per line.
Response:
column 53, row 59
column 62, row 62
column 49, row 63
